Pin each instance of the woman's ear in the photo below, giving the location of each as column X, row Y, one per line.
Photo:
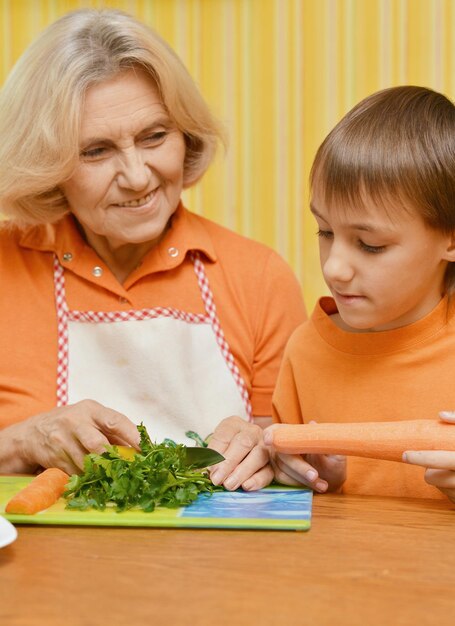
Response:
column 450, row 251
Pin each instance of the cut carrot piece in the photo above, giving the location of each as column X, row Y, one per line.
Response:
column 377, row 440
column 41, row 493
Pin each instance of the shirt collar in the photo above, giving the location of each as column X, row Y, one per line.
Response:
column 186, row 233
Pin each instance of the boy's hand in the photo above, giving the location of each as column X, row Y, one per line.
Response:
column 321, row 472
column 440, row 464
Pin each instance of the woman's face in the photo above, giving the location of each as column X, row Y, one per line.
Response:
column 130, row 175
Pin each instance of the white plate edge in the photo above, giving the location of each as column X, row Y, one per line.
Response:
column 8, row 532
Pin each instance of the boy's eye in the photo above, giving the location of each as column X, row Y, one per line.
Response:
column 371, row 249
column 326, row 234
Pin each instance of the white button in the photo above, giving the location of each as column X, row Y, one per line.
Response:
column 67, row 256
column 173, row 252
column 97, row 271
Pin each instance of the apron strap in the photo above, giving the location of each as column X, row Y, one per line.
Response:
column 207, row 297
column 62, row 330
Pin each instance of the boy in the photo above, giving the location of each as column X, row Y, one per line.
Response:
column 383, row 347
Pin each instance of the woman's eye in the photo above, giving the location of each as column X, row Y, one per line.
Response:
column 371, row 249
column 156, row 138
column 92, row 153
column 325, row 234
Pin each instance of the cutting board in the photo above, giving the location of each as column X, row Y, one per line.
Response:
column 273, row 508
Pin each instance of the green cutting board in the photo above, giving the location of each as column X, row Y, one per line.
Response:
column 273, row 508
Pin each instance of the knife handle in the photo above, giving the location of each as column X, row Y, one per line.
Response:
column 377, row 440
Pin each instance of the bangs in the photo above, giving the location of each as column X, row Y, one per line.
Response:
column 397, row 145
column 352, row 178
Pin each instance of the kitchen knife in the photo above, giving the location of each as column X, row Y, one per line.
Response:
column 196, row 457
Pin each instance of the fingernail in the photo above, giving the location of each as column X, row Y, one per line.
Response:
column 447, row 414
column 321, row 485
column 404, row 458
column 216, row 477
column 311, row 475
column 249, row 484
column 231, row 483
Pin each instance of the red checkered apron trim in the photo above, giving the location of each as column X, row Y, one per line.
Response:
column 210, row 307
column 64, row 315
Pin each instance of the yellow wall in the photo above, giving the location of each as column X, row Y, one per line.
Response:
column 279, row 73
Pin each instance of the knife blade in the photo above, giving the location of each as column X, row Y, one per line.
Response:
column 195, row 456
column 202, row 457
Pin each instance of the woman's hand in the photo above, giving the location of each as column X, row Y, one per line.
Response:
column 62, row 437
column 247, row 460
column 440, row 464
column 321, row 472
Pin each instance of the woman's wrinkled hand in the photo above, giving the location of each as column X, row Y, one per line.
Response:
column 63, row 436
column 439, row 464
column 247, row 460
column 321, row 472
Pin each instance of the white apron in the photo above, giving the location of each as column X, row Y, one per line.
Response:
column 167, row 368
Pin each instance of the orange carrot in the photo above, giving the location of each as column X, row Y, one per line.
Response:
column 377, row 440
column 41, row 493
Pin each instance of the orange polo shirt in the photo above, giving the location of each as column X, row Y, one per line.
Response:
column 257, row 296
column 330, row 375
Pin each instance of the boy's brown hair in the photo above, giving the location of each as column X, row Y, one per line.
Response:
column 399, row 144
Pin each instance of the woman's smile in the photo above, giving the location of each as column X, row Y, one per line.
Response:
column 140, row 202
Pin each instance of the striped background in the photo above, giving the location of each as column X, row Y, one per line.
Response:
column 279, row 73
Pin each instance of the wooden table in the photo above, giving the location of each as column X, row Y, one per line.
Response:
column 366, row 561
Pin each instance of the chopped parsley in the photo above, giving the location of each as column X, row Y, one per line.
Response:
column 156, row 476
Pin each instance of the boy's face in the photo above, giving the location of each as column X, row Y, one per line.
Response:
column 385, row 269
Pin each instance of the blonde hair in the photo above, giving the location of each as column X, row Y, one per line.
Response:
column 397, row 144
column 42, row 99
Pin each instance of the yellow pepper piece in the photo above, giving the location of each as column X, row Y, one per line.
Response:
column 126, row 452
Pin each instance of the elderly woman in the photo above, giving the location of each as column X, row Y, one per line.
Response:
column 119, row 305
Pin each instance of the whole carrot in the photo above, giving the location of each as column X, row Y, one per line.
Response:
column 41, row 493
column 377, row 440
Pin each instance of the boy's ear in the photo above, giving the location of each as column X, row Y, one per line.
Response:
column 450, row 252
